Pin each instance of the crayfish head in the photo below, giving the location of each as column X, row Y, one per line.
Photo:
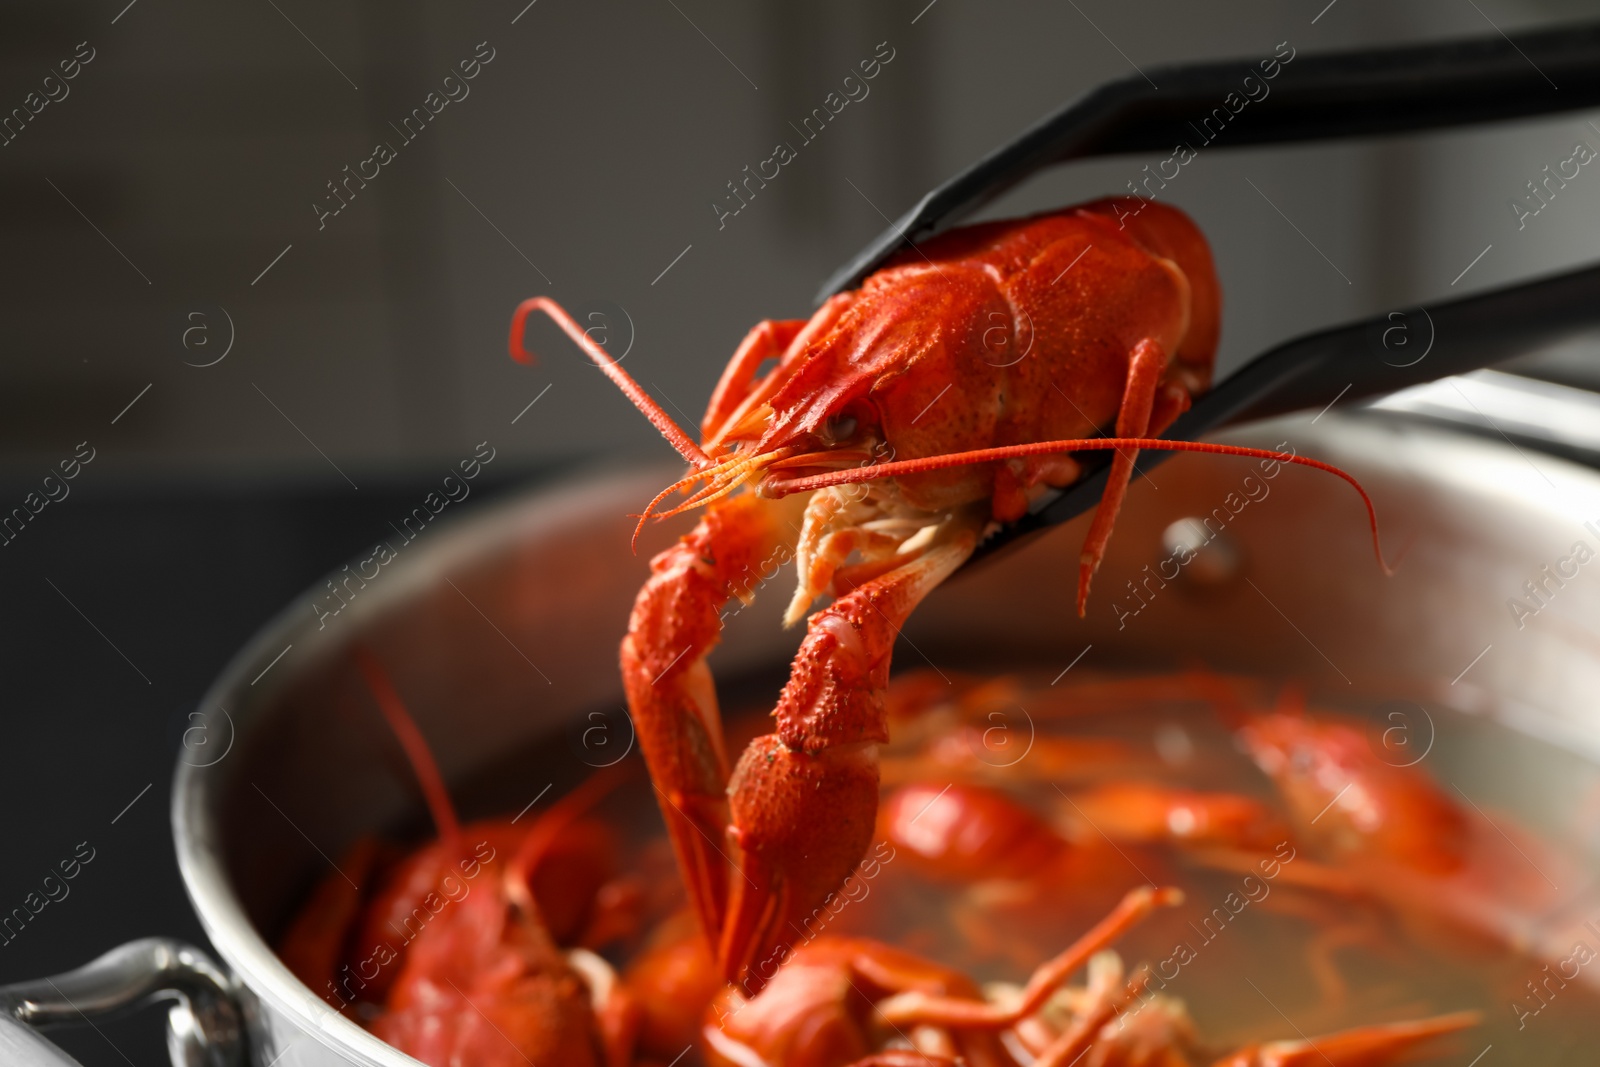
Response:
column 747, row 451
column 1345, row 789
column 851, row 533
column 854, row 531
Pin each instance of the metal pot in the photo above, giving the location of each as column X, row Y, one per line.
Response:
column 502, row 630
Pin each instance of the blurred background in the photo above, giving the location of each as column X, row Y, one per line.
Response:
column 269, row 360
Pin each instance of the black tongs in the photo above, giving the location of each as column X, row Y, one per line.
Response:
column 1316, row 97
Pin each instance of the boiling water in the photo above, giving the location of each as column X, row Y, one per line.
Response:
column 1252, row 953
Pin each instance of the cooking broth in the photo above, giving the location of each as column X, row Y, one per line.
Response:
column 1257, row 957
column 1255, row 952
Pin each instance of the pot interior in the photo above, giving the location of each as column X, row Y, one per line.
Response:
column 502, row 634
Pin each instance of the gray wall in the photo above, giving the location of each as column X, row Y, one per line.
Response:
column 586, row 157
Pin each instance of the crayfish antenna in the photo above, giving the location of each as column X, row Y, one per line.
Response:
column 721, row 478
column 415, row 745
column 779, row 486
column 650, row 508
column 568, row 809
column 631, row 389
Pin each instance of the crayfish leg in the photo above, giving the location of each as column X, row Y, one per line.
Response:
column 314, row 946
column 1137, row 417
column 1363, row 1046
column 804, row 799
column 912, row 1008
column 766, row 340
column 738, row 400
column 675, row 624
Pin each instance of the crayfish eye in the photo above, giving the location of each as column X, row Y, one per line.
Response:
column 839, row 428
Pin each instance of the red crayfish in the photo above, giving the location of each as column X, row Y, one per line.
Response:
column 902, row 419
column 947, row 393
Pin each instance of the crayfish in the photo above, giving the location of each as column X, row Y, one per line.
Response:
column 952, row 391
column 947, row 393
column 484, row 953
column 482, row 940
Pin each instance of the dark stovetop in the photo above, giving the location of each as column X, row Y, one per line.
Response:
column 164, row 586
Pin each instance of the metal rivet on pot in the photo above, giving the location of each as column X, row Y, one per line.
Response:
column 1205, row 558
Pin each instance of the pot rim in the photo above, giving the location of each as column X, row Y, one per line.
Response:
column 196, row 788
column 548, row 506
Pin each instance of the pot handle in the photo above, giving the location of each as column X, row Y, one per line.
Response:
column 205, row 1027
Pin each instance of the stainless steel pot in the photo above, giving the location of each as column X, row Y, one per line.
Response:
column 502, row 630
